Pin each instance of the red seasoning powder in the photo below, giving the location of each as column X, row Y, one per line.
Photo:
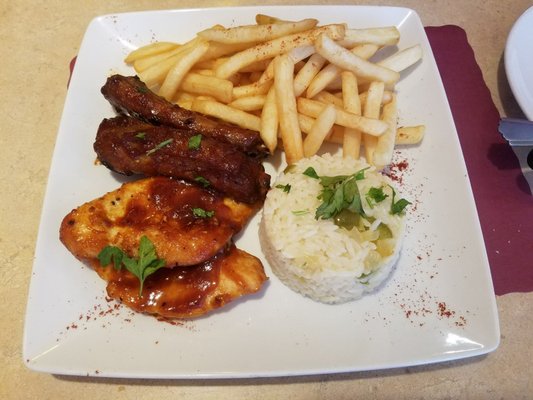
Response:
column 395, row 170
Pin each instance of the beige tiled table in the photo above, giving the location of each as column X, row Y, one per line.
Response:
column 37, row 41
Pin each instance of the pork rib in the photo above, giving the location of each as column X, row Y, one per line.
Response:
column 130, row 146
column 130, row 95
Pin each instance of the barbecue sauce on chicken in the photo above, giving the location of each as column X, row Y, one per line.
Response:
column 162, row 209
column 187, row 292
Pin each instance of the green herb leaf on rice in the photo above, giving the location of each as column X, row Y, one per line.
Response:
column 397, row 207
column 311, row 173
column 375, row 196
column 340, row 194
column 286, row 188
column 300, row 212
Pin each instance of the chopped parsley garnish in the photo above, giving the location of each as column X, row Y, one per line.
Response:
column 194, row 142
column 365, row 278
column 202, row 181
column 311, row 173
column 338, row 193
column 397, row 207
column 141, row 89
column 300, row 212
column 286, row 188
column 140, row 135
column 143, row 266
column 375, row 195
column 360, row 175
column 201, row 213
column 159, row 146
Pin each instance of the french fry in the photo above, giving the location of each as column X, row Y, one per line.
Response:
column 220, row 89
column 298, row 66
column 184, row 99
column 337, row 135
column 287, row 111
column 226, row 113
column 327, row 97
column 347, row 60
column 149, row 50
column 250, row 103
column 258, row 66
column 372, row 126
column 383, row 36
column 307, row 73
column 320, row 129
column 144, row 63
column 252, row 89
column 220, row 50
column 306, row 123
column 351, row 143
column 183, row 65
column 254, row 76
column 298, row 83
column 372, row 108
column 409, row 135
column 296, row 55
column 155, row 73
column 334, row 85
column 301, row 52
column 276, row 47
column 387, row 97
column 204, row 72
column 385, row 143
column 257, row 33
column 165, row 60
column 331, row 71
column 206, row 97
column 402, row 59
column 262, row 19
column 270, row 121
column 322, row 79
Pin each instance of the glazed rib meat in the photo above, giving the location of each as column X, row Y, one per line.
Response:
column 130, row 95
column 130, row 146
column 187, row 292
column 186, row 223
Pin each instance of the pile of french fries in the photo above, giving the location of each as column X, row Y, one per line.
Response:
column 297, row 83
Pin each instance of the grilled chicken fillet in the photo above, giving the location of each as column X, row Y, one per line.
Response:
column 187, row 224
column 187, row 292
column 130, row 146
column 130, row 95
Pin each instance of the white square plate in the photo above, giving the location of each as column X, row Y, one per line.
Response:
column 439, row 304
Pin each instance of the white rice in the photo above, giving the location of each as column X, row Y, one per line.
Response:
column 317, row 258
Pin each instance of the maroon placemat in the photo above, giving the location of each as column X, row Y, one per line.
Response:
column 503, row 199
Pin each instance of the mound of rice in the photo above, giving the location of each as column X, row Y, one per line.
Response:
column 316, row 257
